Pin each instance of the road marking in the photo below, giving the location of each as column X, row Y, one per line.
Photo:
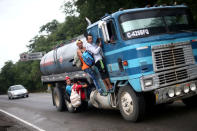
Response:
column 23, row 121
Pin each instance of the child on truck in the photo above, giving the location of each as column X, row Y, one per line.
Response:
column 68, row 88
column 78, row 95
column 80, row 88
column 76, row 85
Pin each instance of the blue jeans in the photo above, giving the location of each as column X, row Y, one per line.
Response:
column 91, row 73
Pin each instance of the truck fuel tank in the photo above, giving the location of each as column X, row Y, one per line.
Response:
column 98, row 101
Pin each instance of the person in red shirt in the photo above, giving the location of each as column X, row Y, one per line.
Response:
column 80, row 88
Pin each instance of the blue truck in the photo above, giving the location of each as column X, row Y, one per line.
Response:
column 150, row 54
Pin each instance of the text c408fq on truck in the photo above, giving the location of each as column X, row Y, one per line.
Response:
column 150, row 55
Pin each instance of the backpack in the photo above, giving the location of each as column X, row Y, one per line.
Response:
column 88, row 58
column 77, row 61
column 75, row 98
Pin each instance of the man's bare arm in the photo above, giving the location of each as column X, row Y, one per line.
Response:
column 79, row 53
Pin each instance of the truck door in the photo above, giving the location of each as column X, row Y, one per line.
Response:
column 113, row 60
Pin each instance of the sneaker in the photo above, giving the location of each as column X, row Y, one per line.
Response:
column 102, row 93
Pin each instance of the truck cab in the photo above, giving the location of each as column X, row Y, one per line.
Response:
column 150, row 54
column 151, row 51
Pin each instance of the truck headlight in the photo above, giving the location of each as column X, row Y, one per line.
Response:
column 171, row 92
column 177, row 91
column 186, row 89
column 148, row 82
column 193, row 86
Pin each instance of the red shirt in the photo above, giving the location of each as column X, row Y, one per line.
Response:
column 79, row 88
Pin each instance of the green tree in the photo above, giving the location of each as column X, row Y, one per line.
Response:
column 50, row 27
column 7, row 76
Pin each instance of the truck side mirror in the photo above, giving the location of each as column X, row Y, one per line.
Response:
column 103, row 26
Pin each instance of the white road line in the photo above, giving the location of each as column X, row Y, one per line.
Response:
column 23, row 121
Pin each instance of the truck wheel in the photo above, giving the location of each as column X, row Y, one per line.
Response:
column 69, row 106
column 59, row 99
column 131, row 104
column 191, row 101
column 53, row 97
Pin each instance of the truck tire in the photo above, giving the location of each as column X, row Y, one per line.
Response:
column 131, row 104
column 69, row 106
column 53, row 97
column 72, row 109
column 59, row 99
column 191, row 101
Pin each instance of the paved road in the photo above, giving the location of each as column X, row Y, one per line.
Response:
column 9, row 124
column 38, row 110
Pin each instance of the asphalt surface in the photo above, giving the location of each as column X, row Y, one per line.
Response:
column 10, row 124
column 39, row 111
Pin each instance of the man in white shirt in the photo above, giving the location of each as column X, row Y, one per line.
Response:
column 96, row 50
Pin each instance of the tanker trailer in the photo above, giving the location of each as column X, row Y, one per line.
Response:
column 56, row 65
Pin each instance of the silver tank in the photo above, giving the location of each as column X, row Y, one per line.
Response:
column 60, row 59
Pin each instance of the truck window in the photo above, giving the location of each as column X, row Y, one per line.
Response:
column 142, row 27
column 111, row 31
column 177, row 22
column 154, row 22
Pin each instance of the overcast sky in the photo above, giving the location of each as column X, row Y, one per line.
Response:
column 20, row 21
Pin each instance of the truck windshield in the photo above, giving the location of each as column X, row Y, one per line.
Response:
column 153, row 22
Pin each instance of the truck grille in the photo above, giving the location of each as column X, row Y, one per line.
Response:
column 172, row 76
column 170, row 56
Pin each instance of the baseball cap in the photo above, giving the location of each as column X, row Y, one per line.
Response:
column 66, row 78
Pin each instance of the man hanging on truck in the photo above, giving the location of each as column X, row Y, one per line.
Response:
column 84, row 66
column 96, row 50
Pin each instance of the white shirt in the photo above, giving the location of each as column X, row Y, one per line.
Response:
column 93, row 48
